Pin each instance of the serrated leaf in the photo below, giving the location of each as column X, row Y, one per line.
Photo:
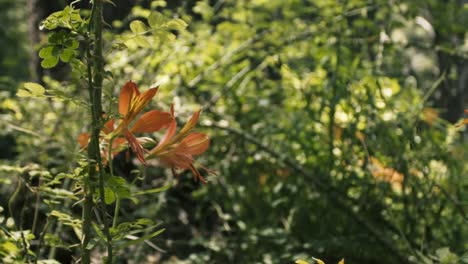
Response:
column 34, row 88
column 156, row 19
column 138, row 27
column 49, row 62
column 67, row 18
column 142, row 41
column 67, row 55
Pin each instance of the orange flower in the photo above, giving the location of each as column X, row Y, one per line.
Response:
column 177, row 151
column 464, row 121
column 131, row 103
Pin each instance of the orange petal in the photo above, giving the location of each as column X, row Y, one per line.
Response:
column 176, row 161
column 118, row 145
column 191, row 123
column 172, row 110
column 135, row 146
column 128, row 93
column 152, row 121
column 143, row 99
column 108, row 126
column 171, row 130
column 194, row 144
column 83, row 139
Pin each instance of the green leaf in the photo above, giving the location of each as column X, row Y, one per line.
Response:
column 66, row 219
column 138, row 27
column 177, row 24
column 67, row 18
column 156, row 20
column 49, row 62
column 155, row 190
column 109, row 195
column 72, row 43
column 67, row 55
column 141, row 239
column 203, row 8
column 46, row 52
column 158, row 3
column 31, row 90
column 142, row 41
column 119, row 46
column 48, row 261
column 164, row 36
column 57, row 37
column 23, row 93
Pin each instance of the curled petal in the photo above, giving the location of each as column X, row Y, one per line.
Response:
column 152, row 121
column 127, row 95
column 135, row 146
column 83, row 139
column 193, row 144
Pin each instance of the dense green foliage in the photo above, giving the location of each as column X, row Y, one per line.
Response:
column 326, row 127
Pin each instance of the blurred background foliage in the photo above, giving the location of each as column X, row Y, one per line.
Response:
column 332, row 126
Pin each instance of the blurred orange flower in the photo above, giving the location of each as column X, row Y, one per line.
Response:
column 465, row 121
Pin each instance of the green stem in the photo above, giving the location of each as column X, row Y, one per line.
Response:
column 95, row 176
column 97, row 102
column 111, row 170
column 116, row 211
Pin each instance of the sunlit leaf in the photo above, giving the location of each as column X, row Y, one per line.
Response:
column 67, row 55
column 141, row 239
column 31, row 90
column 176, row 24
column 155, row 190
column 46, row 52
column 156, row 20
column 138, row 27
column 49, row 62
column 319, row 261
column 109, row 196
column 142, row 41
